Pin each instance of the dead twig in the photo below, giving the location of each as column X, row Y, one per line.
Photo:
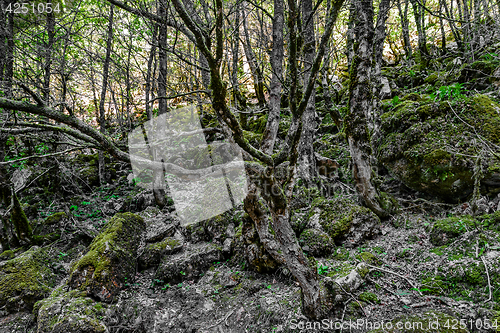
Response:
column 352, row 297
column 394, row 273
column 488, row 276
column 220, row 321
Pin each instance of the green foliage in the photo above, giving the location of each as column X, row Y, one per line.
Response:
column 451, row 92
column 490, row 56
column 322, row 269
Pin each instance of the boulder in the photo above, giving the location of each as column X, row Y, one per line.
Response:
column 69, row 311
column 445, row 230
column 111, row 259
column 189, row 264
column 152, row 253
column 316, row 242
column 431, row 146
column 344, row 221
column 25, row 280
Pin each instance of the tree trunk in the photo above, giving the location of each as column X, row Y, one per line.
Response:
column 307, row 163
column 48, row 55
column 405, row 29
column 441, row 27
column 258, row 78
column 373, row 120
column 451, row 22
column 360, row 104
column 422, row 43
column 148, row 90
column 273, row 119
column 350, row 35
column 105, row 75
column 9, row 65
column 159, row 183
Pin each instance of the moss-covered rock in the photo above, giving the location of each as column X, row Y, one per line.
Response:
column 478, row 70
column 430, row 146
column 316, row 242
column 368, row 297
column 430, row 321
column 369, row 258
column 189, row 264
column 344, row 221
column 445, row 230
column 55, row 218
column 152, row 253
column 111, row 259
column 7, row 255
column 25, row 279
column 69, row 311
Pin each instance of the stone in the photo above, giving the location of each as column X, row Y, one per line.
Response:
column 111, row 259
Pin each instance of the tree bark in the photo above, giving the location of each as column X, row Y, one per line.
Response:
column 273, row 119
column 422, row 42
column 258, row 78
column 405, row 29
column 105, row 75
column 350, row 35
column 159, row 183
column 360, row 104
column 48, row 55
column 307, row 163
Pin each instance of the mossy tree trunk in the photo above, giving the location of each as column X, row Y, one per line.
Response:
column 405, row 30
column 360, row 105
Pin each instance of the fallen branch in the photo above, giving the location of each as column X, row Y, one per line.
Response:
column 42, row 156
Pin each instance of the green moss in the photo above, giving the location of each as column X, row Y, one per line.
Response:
column 69, row 312
column 369, row 258
column 25, row 279
column 337, row 215
column 111, row 255
column 444, row 230
column 6, row 255
column 20, row 221
column 316, row 242
column 55, row 218
column 340, row 271
column 438, row 156
column 48, row 238
column 167, row 242
column 413, row 97
column 369, row 297
column 423, row 144
column 433, row 286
